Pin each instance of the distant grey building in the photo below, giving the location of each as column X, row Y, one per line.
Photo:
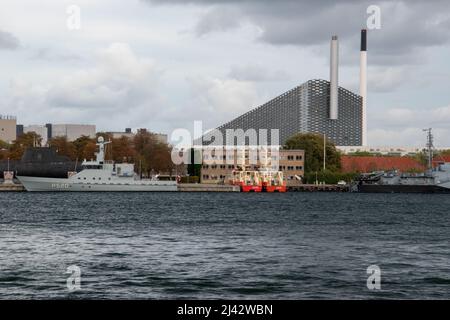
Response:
column 8, row 128
column 119, row 134
column 49, row 131
column 305, row 109
column 71, row 131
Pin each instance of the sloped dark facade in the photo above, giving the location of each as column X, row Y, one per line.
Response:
column 305, row 109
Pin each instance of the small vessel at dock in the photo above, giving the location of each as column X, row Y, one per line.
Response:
column 258, row 181
column 99, row 175
column 273, row 181
column 248, row 181
column 434, row 180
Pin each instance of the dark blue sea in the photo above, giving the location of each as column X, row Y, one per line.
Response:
column 224, row 245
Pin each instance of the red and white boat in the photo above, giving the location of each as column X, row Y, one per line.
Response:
column 249, row 181
column 273, row 181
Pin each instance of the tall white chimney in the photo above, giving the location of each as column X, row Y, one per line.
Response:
column 334, row 65
column 363, row 84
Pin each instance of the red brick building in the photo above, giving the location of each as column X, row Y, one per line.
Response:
column 440, row 159
column 376, row 163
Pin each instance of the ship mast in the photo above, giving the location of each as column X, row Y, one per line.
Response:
column 429, row 148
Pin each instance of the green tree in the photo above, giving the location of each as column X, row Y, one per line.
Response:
column 151, row 155
column 26, row 140
column 4, row 150
column 329, row 177
column 421, row 157
column 122, row 150
column 143, row 145
column 3, row 145
column 84, row 148
column 312, row 144
column 63, row 147
column 160, row 159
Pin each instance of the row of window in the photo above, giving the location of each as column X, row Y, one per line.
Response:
column 291, row 158
column 288, row 158
column 290, row 168
column 230, row 167
column 239, row 157
column 93, row 178
column 215, row 166
column 212, row 177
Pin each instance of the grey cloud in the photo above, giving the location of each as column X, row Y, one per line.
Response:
column 8, row 41
column 408, row 27
column 49, row 55
column 119, row 87
column 218, row 19
column 256, row 73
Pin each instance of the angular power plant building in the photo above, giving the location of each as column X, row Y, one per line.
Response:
column 317, row 106
column 305, row 109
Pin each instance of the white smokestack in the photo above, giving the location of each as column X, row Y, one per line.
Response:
column 334, row 64
column 363, row 84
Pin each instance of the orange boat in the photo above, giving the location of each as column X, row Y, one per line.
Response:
column 273, row 181
column 249, row 181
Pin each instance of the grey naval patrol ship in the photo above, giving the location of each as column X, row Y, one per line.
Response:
column 98, row 175
column 433, row 180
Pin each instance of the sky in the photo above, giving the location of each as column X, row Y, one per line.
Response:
column 163, row 64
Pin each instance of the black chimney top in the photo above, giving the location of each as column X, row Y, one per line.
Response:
column 363, row 40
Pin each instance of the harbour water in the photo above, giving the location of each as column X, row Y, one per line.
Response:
column 224, row 245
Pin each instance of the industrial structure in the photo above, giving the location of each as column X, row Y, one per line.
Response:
column 363, row 84
column 305, row 109
column 316, row 106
